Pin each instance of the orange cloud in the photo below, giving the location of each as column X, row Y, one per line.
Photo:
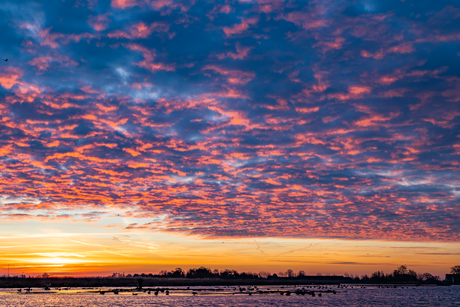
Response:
column 9, row 77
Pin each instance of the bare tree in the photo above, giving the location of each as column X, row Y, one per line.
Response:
column 455, row 269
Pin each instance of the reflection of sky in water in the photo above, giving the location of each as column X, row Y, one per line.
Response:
column 370, row 296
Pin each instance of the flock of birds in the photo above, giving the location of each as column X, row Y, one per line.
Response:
column 313, row 290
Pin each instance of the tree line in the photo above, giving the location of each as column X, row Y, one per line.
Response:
column 201, row 272
column 400, row 274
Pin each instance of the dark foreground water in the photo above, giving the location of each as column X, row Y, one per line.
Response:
column 356, row 296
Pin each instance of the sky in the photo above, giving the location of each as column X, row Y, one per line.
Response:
column 260, row 135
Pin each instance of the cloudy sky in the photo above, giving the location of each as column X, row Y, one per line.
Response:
column 150, row 134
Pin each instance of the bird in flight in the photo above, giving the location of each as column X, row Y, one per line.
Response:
column 6, row 60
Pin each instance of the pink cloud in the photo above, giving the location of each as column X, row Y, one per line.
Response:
column 406, row 47
column 148, row 61
column 356, row 90
column 121, row 4
column 233, row 76
column 305, row 20
column 154, row 4
column 241, row 53
column 141, row 30
column 241, row 27
column 42, row 63
column 99, row 22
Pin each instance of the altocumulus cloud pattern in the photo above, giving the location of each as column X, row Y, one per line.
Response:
column 234, row 118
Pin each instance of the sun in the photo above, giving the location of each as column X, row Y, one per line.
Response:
column 58, row 258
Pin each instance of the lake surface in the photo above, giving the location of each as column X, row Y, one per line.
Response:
column 364, row 295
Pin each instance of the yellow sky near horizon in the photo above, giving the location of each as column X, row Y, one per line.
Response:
column 35, row 247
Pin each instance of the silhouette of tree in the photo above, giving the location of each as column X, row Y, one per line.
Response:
column 264, row 274
column 201, row 272
column 178, row 272
column 229, row 274
column 378, row 276
column 402, row 270
column 404, row 274
column 455, row 269
column 428, row 277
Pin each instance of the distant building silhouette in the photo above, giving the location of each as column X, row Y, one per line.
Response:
column 118, row 275
column 453, row 278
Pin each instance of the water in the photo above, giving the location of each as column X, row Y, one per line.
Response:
column 356, row 296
